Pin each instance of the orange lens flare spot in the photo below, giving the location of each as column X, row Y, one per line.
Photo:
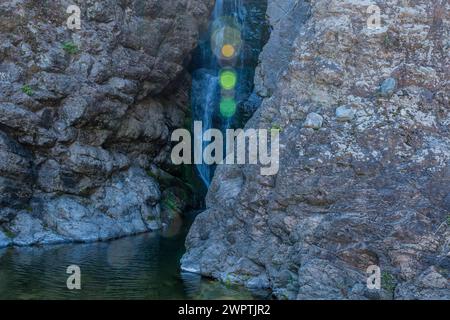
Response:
column 228, row 51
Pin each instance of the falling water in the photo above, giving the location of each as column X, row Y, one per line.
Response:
column 205, row 87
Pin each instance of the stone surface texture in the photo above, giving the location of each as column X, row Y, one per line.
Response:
column 371, row 190
column 85, row 113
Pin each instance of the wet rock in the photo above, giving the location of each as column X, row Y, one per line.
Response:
column 28, row 230
column 128, row 204
column 4, row 240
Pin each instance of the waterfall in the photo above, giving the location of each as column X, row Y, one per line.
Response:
column 226, row 20
column 204, row 101
column 223, row 69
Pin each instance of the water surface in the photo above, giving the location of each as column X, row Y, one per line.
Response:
column 139, row 267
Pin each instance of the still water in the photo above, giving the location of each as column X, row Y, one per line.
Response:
column 139, row 267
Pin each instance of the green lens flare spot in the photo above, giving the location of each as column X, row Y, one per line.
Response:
column 227, row 108
column 228, row 79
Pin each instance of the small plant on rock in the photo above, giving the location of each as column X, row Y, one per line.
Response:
column 388, row 282
column 70, row 47
column 170, row 204
column 276, row 127
column 9, row 233
column 27, row 90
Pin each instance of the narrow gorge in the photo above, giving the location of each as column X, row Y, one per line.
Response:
column 86, row 166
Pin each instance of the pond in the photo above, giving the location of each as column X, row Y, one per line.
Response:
column 140, row 267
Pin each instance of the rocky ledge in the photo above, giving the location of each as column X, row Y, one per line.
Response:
column 85, row 114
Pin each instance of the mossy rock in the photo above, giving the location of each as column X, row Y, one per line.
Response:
column 174, row 201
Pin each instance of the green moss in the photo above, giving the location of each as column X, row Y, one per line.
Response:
column 27, row 90
column 448, row 220
column 9, row 233
column 170, row 204
column 387, row 40
column 187, row 124
column 276, row 127
column 228, row 281
column 152, row 175
column 70, row 47
column 388, row 282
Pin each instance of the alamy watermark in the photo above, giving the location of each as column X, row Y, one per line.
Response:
column 74, row 21
column 74, row 280
column 374, row 20
column 373, row 277
column 250, row 146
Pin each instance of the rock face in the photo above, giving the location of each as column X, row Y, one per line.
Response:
column 371, row 190
column 84, row 113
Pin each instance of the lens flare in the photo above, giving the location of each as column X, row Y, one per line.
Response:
column 227, row 107
column 226, row 38
column 228, row 79
column 228, row 51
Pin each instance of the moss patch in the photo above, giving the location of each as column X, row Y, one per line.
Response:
column 9, row 233
column 70, row 48
column 276, row 127
column 388, row 282
column 27, row 90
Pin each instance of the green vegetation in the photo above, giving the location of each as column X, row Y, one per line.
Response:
column 151, row 174
column 9, row 233
column 27, row 90
column 448, row 220
column 227, row 282
column 276, row 127
column 70, row 47
column 387, row 40
column 170, row 204
column 187, row 123
column 388, row 282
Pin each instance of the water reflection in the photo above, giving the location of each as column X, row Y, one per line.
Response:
column 139, row 267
